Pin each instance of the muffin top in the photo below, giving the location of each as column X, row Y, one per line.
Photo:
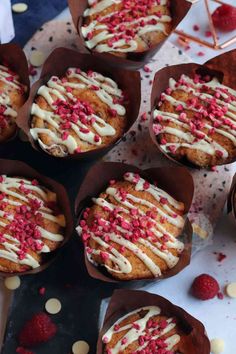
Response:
column 132, row 229
column 11, row 99
column 123, row 26
column 79, row 112
column 31, row 223
column 144, row 330
column 196, row 120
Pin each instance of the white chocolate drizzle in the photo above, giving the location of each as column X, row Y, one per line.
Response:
column 10, row 188
column 198, row 139
column 8, row 80
column 93, row 128
column 104, row 40
column 138, row 329
column 122, row 234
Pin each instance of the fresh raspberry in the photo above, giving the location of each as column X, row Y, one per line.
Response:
column 21, row 350
column 37, row 330
column 205, row 287
column 224, row 18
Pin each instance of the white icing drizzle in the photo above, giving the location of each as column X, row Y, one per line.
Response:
column 206, row 143
column 106, row 90
column 4, row 97
column 141, row 26
column 122, row 235
column 10, row 187
column 138, row 329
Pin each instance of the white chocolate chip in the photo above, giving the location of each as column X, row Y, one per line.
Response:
column 217, row 346
column 19, row 7
column 231, row 290
column 53, row 306
column 37, row 58
column 12, row 283
column 80, row 347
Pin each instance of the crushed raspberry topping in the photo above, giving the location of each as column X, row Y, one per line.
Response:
column 125, row 23
column 24, row 223
column 209, row 106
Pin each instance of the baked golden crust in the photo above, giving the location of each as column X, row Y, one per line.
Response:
column 201, row 125
column 31, row 224
column 12, row 97
column 125, row 223
column 75, row 132
column 125, row 27
column 144, row 329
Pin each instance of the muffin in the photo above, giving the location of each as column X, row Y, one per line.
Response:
column 78, row 112
column 195, row 121
column 12, row 97
column 144, row 330
column 122, row 27
column 31, row 224
column 132, row 229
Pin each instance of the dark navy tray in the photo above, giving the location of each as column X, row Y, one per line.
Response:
column 66, row 279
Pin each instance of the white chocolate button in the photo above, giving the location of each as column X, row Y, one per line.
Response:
column 19, row 7
column 53, row 306
column 217, row 346
column 80, row 347
column 231, row 290
column 37, row 58
column 12, row 283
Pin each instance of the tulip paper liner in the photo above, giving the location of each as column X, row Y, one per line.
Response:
column 179, row 9
column 20, row 169
column 56, row 64
column 14, row 58
column 223, row 67
column 231, row 202
column 177, row 181
column 123, row 301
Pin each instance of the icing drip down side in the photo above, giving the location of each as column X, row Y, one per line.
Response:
column 28, row 218
column 133, row 217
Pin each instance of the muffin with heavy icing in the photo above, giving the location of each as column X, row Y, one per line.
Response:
column 120, row 27
column 195, row 120
column 12, row 97
column 132, row 229
column 145, row 330
column 78, row 112
column 31, row 223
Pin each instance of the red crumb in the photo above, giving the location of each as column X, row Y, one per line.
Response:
column 146, row 69
column 220, row 295
column 200, row 54
column 196, row 28
column 42, row 291
column 144, row 117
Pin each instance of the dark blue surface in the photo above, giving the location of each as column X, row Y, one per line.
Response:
column 39, row 12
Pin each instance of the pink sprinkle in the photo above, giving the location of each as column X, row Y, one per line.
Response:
column 144, row 117
column 146, row 69
column 42, row 291
column 208, row 34
column 179, row 108
column 124, row 341
column 200, row 54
